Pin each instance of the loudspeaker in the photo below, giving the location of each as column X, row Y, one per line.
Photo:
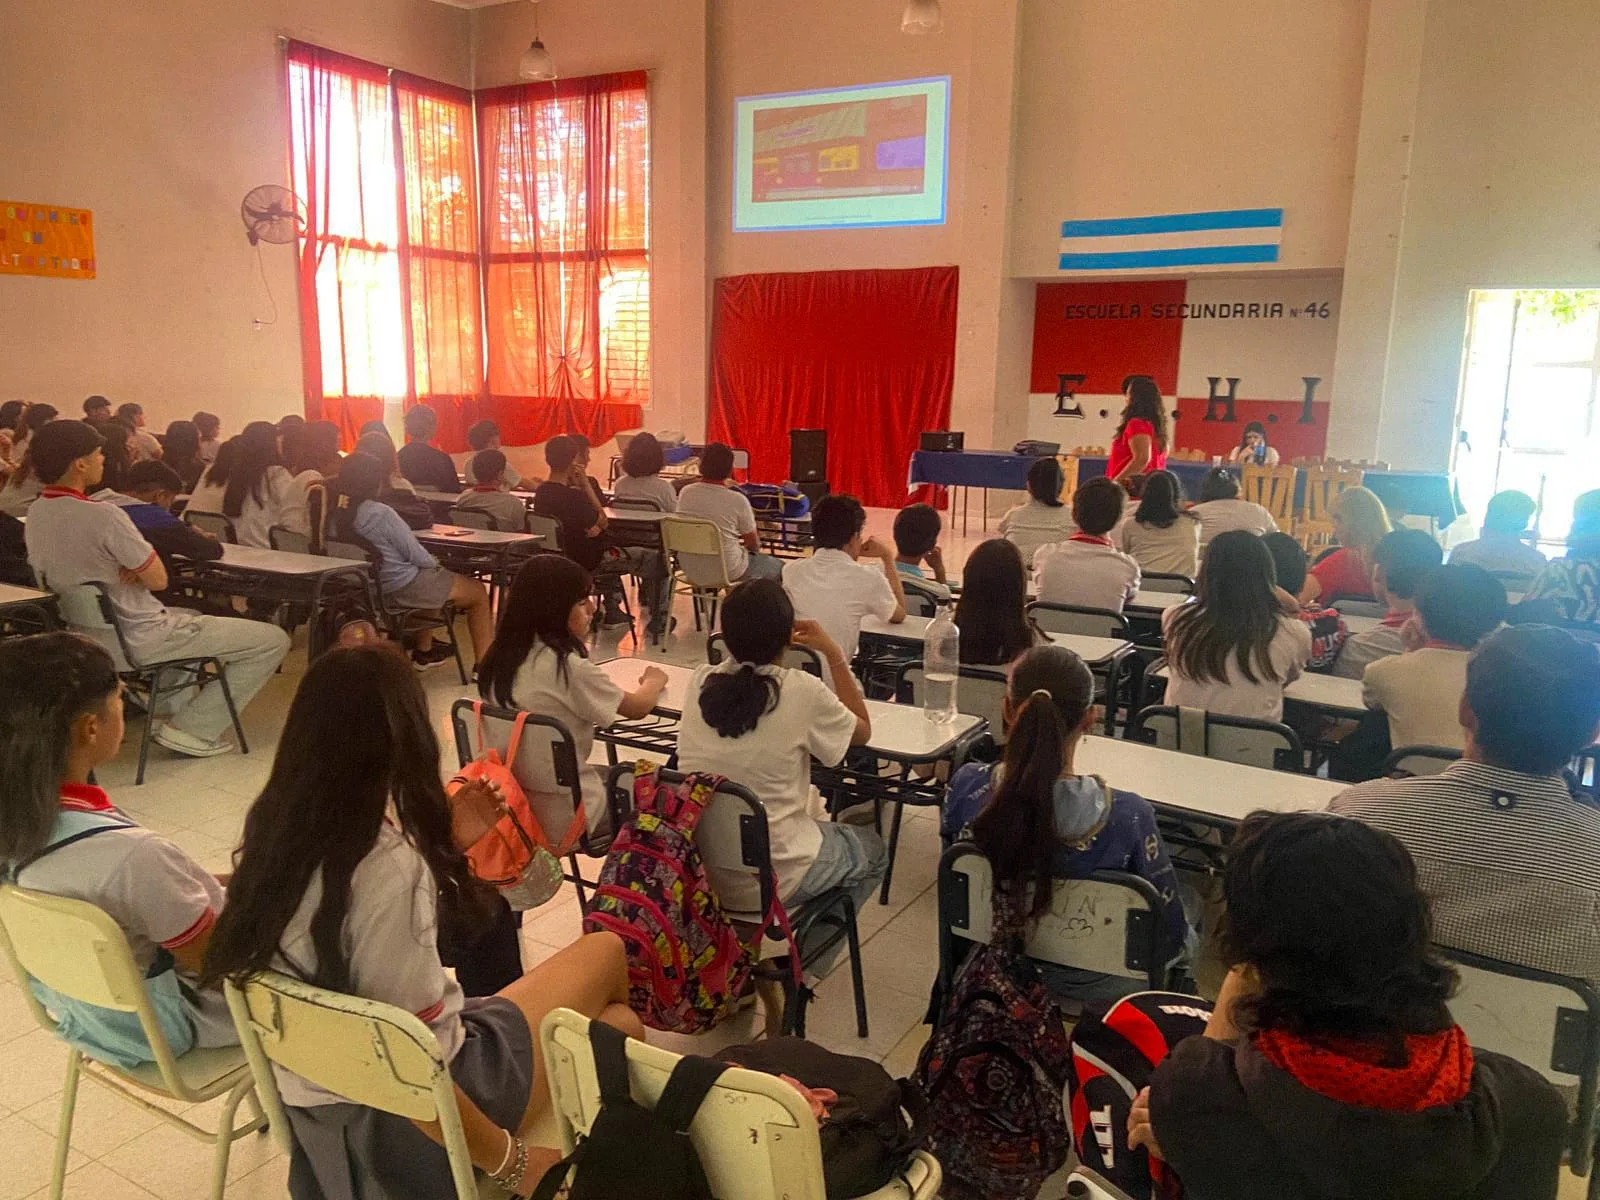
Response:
column 808, row 455
column 942, row 440
column 814, row 492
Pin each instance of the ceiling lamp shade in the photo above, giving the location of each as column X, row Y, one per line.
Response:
column 536, row 65
column 922, row 16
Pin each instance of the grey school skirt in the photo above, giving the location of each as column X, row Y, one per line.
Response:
column 430, row 589
column 350, row 1152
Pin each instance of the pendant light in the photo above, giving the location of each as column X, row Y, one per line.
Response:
column 922, row 16
column 536, row 65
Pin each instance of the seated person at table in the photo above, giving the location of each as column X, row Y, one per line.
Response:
column 1162, row 538
column 1330, row 1065
column 760, row 724
column 991, row 611
column 97, row 408
column 1328, row 631
column 835, row 590
column 421, row 462
column 490, row 494
column 1036, row 819
column 118, row 454
column 312, row 456
column 397, row 491
column 481, row 436
column 256, row 495
column 1500, row 547
column 641, row 474
column 1420, row 690
column 569, row 498
column 181, row 452
column 916, row 544
column 1569, row 588
column 210, row 427
column 539, row 663
column 1253, row 449
column 1044, row 518
column 60, row 719
column 74, row 541
column 1508, row 854
column 1238, row 644
column 408, row 575
column 142, row 443
column 1220, row 508
column 206, row 496
column 1359, row 523
column 346, row 877
column 148, row 491
column 1401, row 563
column 714, row 499
column 1086, row 569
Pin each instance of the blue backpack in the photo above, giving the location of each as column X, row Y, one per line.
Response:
column 106, row 1034
column 775, row 499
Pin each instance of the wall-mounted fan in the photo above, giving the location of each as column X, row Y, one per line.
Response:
column 272, row 214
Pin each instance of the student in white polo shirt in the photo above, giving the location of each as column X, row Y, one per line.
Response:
column 1086, row 569
column 60, row 718
column 831, row 587
column 1220, row 508
column 713, row 498
column 73, row 541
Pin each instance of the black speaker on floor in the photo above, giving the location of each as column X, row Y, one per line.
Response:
column 814, row 492
column 808, row 455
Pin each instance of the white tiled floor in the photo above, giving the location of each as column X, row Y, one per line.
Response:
column 120, row 1152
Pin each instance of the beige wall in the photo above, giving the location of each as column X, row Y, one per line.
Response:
column 159, row 116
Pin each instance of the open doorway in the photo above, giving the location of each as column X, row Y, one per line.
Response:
column 1527, row 417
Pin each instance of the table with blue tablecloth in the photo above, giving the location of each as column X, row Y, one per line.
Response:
column 985, row 469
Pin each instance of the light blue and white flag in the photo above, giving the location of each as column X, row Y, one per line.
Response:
column 1235, row 237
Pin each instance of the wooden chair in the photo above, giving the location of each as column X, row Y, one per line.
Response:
column 1272, row 488
column 1314, row 528
column 1069, row 476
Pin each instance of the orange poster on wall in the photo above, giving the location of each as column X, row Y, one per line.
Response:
column 45, row 239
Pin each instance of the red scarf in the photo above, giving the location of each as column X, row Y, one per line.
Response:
column 1438, row 1069
column 1090, row 538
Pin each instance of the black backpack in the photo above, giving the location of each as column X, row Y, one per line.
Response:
column 866, row 1139
column 632, row 1152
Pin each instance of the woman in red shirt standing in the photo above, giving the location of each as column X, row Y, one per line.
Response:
column 1359, row 523
column 1140, row 445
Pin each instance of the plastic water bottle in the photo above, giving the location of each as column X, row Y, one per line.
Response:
column 941, row 666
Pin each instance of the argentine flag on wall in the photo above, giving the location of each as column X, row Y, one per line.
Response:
column 1234, row 237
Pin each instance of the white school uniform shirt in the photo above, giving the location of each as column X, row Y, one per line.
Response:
column 584, row 700
column 391, row 933
column 1421, row 693
column 773, row 760
column 647, row 487
column 206, row 497
column 836, row 592
column 1222, row 516
column 509, row 514
column 1288, row 652
column 1174, row 550
column 257, row 517
column 295, row 515
column 730, row 512
column 159, row 896
column 1087, row 571
column 1034, row 524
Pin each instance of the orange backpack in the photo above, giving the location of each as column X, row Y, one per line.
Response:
column 506, row 846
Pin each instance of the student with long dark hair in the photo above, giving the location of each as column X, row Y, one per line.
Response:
column 119, row 454
column 1221, row 508
column 210, row 427
column 539, row 663
column 1330, row 1065
column 1162, row 537
column 181, row 452
column 1140, row 444
column 991, row 611
column 1252, row 449
column 409, row 576
column 346, row 869
column 207, row 496
column 1037, row 819
column 258, row 485
column 397, row 491
column 23, row 485
column 60, row 719
column 760, row 724
column 1234, row 648
column 1045, row 518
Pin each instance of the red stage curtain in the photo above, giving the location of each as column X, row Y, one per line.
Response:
column 867, row 355
column 564, row 173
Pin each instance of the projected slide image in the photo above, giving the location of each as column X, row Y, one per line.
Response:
column 862, row 156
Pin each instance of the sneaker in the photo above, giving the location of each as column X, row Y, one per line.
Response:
column 424, row 660
column 177, row 740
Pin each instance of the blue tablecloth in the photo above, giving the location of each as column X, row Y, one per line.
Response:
column 998, row 469
column 1421, row 493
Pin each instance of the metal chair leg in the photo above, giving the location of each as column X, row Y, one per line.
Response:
column 894, row 846
column 450, row 615
column 857, row 980
column 233, row 713
column 154, row 698
column 69, row 1107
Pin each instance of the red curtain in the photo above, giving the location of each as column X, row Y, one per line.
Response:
column 564, row 171
column 867, row 355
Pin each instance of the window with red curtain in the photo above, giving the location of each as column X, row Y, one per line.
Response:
column 565, row 182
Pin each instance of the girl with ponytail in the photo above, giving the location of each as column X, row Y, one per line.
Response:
column 760, row 724
column 1036, row 819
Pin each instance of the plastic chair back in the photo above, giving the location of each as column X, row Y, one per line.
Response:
column 215, row 524
column 88, row 607
column 1109, row 922
column 981, row 692
column 1158, row 581
column 1272, row 488
column 472, row 518
column 1548, row 1022
column 547, row 764
column 1418, row 760
column 548, row 528
column 922, row 600
column 1074, row 618
column 1267, row 744
column 371, row 1054
column 280, row 537
column 800, row 658
column 696, row 544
